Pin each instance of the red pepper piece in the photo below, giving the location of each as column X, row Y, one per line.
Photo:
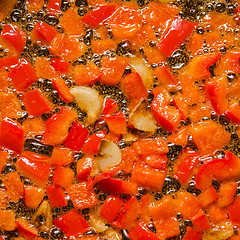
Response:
column 92, row 143
column 150, row 146
column 56, row 196
column 233, row 112
column 36, row 103
column 227, row 192
column 98, row 15
column 109, row 106
column 54, row 7
column 57, row 126
column 8, row 222
column 76, row 137
column 60, row 65
column 181, row 105
column 133, row 87
column 219, row 169
column 163, row 209
column 234, row 211
column 177, row 33
column 72, row 223
column 167, row 116
column 81, row 196
column 217, row 91
column 216, row 214
column 44, row 32
column 15, row 36
column 111, row 208
column 146, row 202
column 158, row 161
column 33, row 196
column 148, row 177
column 113, row 185
column 11, row 135
column 209, row 136
column 208, row 196
column 140, row 232
column 22, row 75
column 38, row 171
column 117, row 123
column 192, row 234
column 84, row 167
column 200, row 221
column 63, row 176
column 62, row 89
column 7, row 62
column 87, row 74
column 26, row 229
column 185, row 164
column 165, row 76
column 61, row 156
column 129, row 214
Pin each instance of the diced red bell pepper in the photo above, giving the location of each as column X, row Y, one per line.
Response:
column 57, row 126
column 180, row 137
column 209, row 136
column 62, row 89
column 81, row 196
column 92, row 143
column 84, row 167
column 129, row 214
column 22, row 75
column 15, row 36
column 165, row 76
column 44, row 32
column 192, row 234
column 217, row 91
column 76, row 137
column 180, row 103
column 146, row 202
column 56, row 196
column 3, row 159
column 158, row 161
column 234, row 211
column 150, row 146
column 117, row 123
column 7, row 62
column 33, row 196
column 63, row 176
column 125, row 22
column 26, row 229
column 98, row 15
column 140, row 232
column 185, row 164
column 132, row 85
column 200, row 221
column 148, row 177
column 216, row 214
column 60, row 65
column 163, row 209
column 198, row 68
column 233, row 112
column 14, row 186
column 208, row 196
column 11, row 135
column 112, row 70
column 72, row 223
column 128, row 159
column 38, row 171
column 110, row 106
column 54, row 7
column 61, row 156
column 176, row 34
column 111, row 208
column 187, row 204
column 87, row 74
column 36, row 103
column 219, row 169
column 227, row 192
column 7, row 222
column 118, row 186
column 167, row 116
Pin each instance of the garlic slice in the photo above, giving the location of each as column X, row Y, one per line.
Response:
column 142, row 119
column 109, row 156
column 89, row 100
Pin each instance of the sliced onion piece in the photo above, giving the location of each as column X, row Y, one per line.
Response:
column 97, row 222
column 109, row 156
column 140, row 66
column 142, row 119
column 89, row 100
